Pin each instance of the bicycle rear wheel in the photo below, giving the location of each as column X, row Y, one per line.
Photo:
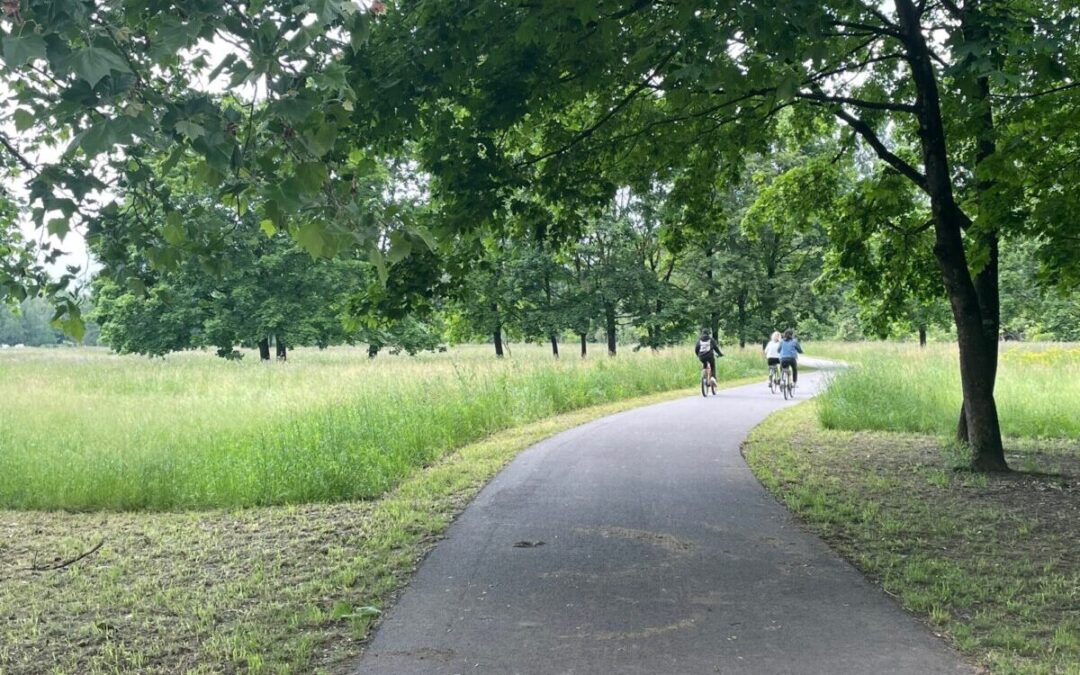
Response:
column 785, row 386
column 704, row 384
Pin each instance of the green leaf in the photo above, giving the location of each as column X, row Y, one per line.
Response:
column 400, row 247
column 98, row 138
column 322, row 140
column 325, row 10
column 19, row 49
column 189, row 129
column 24, row 119
column 225, row 63
column 174, row 228
column 73, row 327
column 310, row 236
column 208, row 175
column 311, row 176
column 376, row 258
column 360, row 31
column 425, row 235
column 267, row 226
column 58, row 227
column 94, row 63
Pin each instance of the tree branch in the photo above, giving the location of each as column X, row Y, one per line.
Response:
column 65, row 563
column 864, row 130
column 1037, row 94
column 910, row 233
column 860, row 103
column 592, row 128
column 868, row 28
column 953, row 8
column 14, row 152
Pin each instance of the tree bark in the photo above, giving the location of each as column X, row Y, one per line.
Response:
column 282, row 350
column 609, row 324
column 555, row 346
column 498, row 341
column 978, row 359
column 264, row 349
column 922, row 336
column 584, row 344
column 742, row 319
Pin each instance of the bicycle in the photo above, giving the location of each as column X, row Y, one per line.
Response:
column 774, row 378
column 707, row 381
column 787, row 386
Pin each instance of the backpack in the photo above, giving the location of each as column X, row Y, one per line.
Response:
column 704, row 347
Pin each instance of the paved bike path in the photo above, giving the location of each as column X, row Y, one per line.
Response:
column 661, row 554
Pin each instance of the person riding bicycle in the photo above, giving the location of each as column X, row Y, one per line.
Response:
column 772, row 352
column 705, row 348
column 789, row 354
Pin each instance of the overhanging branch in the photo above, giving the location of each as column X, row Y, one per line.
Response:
column 592, row 128
column 864, row 130
column 14, row 152
column 858, row 102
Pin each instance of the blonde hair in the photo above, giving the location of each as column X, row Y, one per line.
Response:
column 776, row 336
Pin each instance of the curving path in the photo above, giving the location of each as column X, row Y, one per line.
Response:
column 661, row 554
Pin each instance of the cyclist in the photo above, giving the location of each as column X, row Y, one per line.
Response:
column 704, row 349
column 772, row 354
column 789, row 354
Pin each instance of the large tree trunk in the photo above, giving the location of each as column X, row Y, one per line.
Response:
column 497, row 335
column 264, row 349
column 978, row 356
column 584, row 344
column 609, row 325
column 282, row 349
column 922, row 336
column 555, row 346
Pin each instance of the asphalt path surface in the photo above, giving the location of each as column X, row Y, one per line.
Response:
column 642, row 543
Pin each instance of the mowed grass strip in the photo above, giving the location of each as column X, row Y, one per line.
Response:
column 85, row 430
column 897, row 387
column 281, row 589
column 989, row 561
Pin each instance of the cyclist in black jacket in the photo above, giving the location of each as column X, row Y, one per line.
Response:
column 705, row 348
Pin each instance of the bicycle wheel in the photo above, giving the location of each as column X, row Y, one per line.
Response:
column 704, row 385
column 784, row 386
column 772, row 381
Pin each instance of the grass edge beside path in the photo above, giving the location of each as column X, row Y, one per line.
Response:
column 988, row 562
column 282, row 589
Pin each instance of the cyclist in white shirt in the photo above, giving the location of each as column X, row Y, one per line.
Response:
column 772, row 351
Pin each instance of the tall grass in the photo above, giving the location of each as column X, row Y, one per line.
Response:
column 904, row 388
column 82, row 429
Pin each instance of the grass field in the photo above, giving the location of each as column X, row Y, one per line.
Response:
column 900, row 387
column 84, row 430
column 268, row 589
column 988, row 561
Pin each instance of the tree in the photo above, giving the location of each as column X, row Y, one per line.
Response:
column 592, row 78
column 252, row 99
column 265, row 289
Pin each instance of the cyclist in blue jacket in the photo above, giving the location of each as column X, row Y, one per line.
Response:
column 789, row 354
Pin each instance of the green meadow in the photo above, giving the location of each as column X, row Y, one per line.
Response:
column 86, row 430
column 900, row 387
